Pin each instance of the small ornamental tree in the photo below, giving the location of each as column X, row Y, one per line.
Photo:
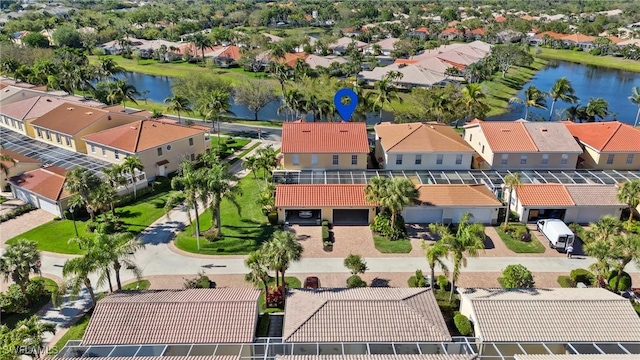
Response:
column 462, row 324
column 354, row 281
column 516, row 277
column 355, row 264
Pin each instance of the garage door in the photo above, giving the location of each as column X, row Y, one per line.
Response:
column 49, row 206
column 422, row 214
column 351, row 216
column 593, row 214
column 479, row 215
column 23, row 195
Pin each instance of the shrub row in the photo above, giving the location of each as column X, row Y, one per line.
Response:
column 582, row 275
column 355, row 281
column 22, row 209
column 13, row 301
column 382, row 225
column 326, row 234
column 518, row 231
column 462, row 324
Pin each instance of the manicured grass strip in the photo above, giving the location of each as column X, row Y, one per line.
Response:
column 585, row 58
column 387, row 246
column 521, row 247
column 50, row 286
column 266, row 123
column 292, row 283
column 244, row 153
column 75, row 332
column 229, row 147
column 241, row 233
column 54, row 236
column 138, row 285
column 565, row 281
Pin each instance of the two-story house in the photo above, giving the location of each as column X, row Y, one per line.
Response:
column 421, row 146
column 607, row 145
column 519, row 145
column 18, row 115
column 65, row 125
column 19, row 165
column 325, row 145
column 161, row 146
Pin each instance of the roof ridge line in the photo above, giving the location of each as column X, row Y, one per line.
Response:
column 473, row 187
column 529, row 136
column 612, row 135
column 324, row 302
column 32, row 106
column 409, row 134
column 429, row 322
column 137, row 142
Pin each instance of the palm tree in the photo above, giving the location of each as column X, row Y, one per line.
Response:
column 250, row 163
column 267, row 160
column 200, row 41
column 629, row 193
column 533, row 97
column 257, row 263
column 384, row 92
column 107, row 68
column 596, row 108
column 75, row 202
column 376, row 189
column 76, row 271
column 219, row 182
column 600, row 250
column 191, row 182
column 130, row 165
column 294, row 101
column 635, row 99
column 4, row 167
column 18, row 261
column 575, row 113
column 217, row 103
column 178, row 104
column 84, row 183
column 399, row 193
column 281, row 73
column 31, row 332
column 468, row 239
column 434, row 254
column 114, row 176
column 282, row 250
column 126, row 92
column 562, row 90
column 625, row 248
column 99, row 253
column 121, row 247
column 511, row 182
column 473, row 99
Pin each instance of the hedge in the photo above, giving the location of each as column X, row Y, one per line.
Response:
column 625, row 281
column 22, row 209
column 462, row 324
column 582, row 275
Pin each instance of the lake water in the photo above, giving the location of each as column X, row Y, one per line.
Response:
column 588, row 81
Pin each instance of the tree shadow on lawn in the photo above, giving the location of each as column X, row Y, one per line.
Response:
column 242, row 242
column 127, row 213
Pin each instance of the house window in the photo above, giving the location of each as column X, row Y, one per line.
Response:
column 296, row 159
column 20, row 125
column 58, row 139
column 67, row 140
column 116, row 154
column 104, row 151
column 523, row 159
column 439, row 159
column 335, row 160
column 47, row 134
column 13, row 123
column 93, row 149
column 39, row 132
column 399, row 159
column 159, row 150
column 565, row 159
column 545, row 159
column 190, row 141
column 610, row 159
column 629, row 159
column 419, row 159
column 314, row 159
column 354, row 159
column 458, row 159
column 193, row 157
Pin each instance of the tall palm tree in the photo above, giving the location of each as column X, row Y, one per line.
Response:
column 18, row 261
column 533, row 97
column 473, row 99
column 201, row 41
column 258, row 265
column 75, row 202
column 130, row 165
column 126, row 92
column 30, row 333
column 575, row 113
column 625, row 248
column 294, row 101
column 511, row 182
column 99, row 254
column 114, row 178
column 604, row 229
column 434, row 254
column 629, row 193
column 217, row 103
column 468, row 239
column 399, row 193
column 84, row 183
column 190, row 181
column 562, row 90
column 384, row 92
column 600, row 250
column 220, row 182
column 76, row 272
column 282, row 250
column 107, row 68
column 596, row 108
column 250, row 163
column 178, row 104
column 267, row 161
column 121, row 247
column 281, row 73
column 635, row 99
column 376, row 189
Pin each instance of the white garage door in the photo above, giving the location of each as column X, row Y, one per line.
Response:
column 479, row 215
column 422, row 214
column 590, row 214
column 23, row 195
column 49, row 206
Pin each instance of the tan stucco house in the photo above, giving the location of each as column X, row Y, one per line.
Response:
column 421, row 146
column 508, row 145
column 67, row 124
column 17, row 116
column 161, row 146
column 325, row 145
column 18, row 166
column 607, row 145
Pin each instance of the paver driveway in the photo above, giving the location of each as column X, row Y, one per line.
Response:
column 23, row 223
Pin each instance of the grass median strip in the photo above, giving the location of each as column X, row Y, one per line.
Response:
column 386, row 246
column 243, row 154
column 521, row 247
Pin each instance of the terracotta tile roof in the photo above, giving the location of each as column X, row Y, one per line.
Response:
column 174, row 316
column 363, row 314
column 70, row 118
column 317, row 195
column 47, row 182
column 610, row 136
column 544, row 195
column 577, row 357
column 324, row 137
column 552, row 137
column 615, row 39
column 17, row 157
column 290, row 59
column 422, row 30
column 31, row 108
column 422, row 137
column 379, row 357
column 573, row 315
column 578, row 38
column 142, row 135
column 478, row 31
column 553, row 35
column 594, row 195
column 500, row 19
column 457, row 195
column 451, row 30
column 507, row 136
column 231, row 52
column 215, row 357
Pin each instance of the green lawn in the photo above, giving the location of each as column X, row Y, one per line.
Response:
column 521, row 247
column 50, row 287
column 242, row 233
column 138, row 285
column 585, row 58
column 387, row 246
column 75, row 332
column 229, row 145
column 292, row 283
column 244, row 153
column 54, row 236
column 565, row 281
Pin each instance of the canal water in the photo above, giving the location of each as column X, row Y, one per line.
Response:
column 588, row 81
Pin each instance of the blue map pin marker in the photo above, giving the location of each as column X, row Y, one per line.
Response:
column 347, row 110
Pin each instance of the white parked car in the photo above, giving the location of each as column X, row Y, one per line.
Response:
column 305, row 214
